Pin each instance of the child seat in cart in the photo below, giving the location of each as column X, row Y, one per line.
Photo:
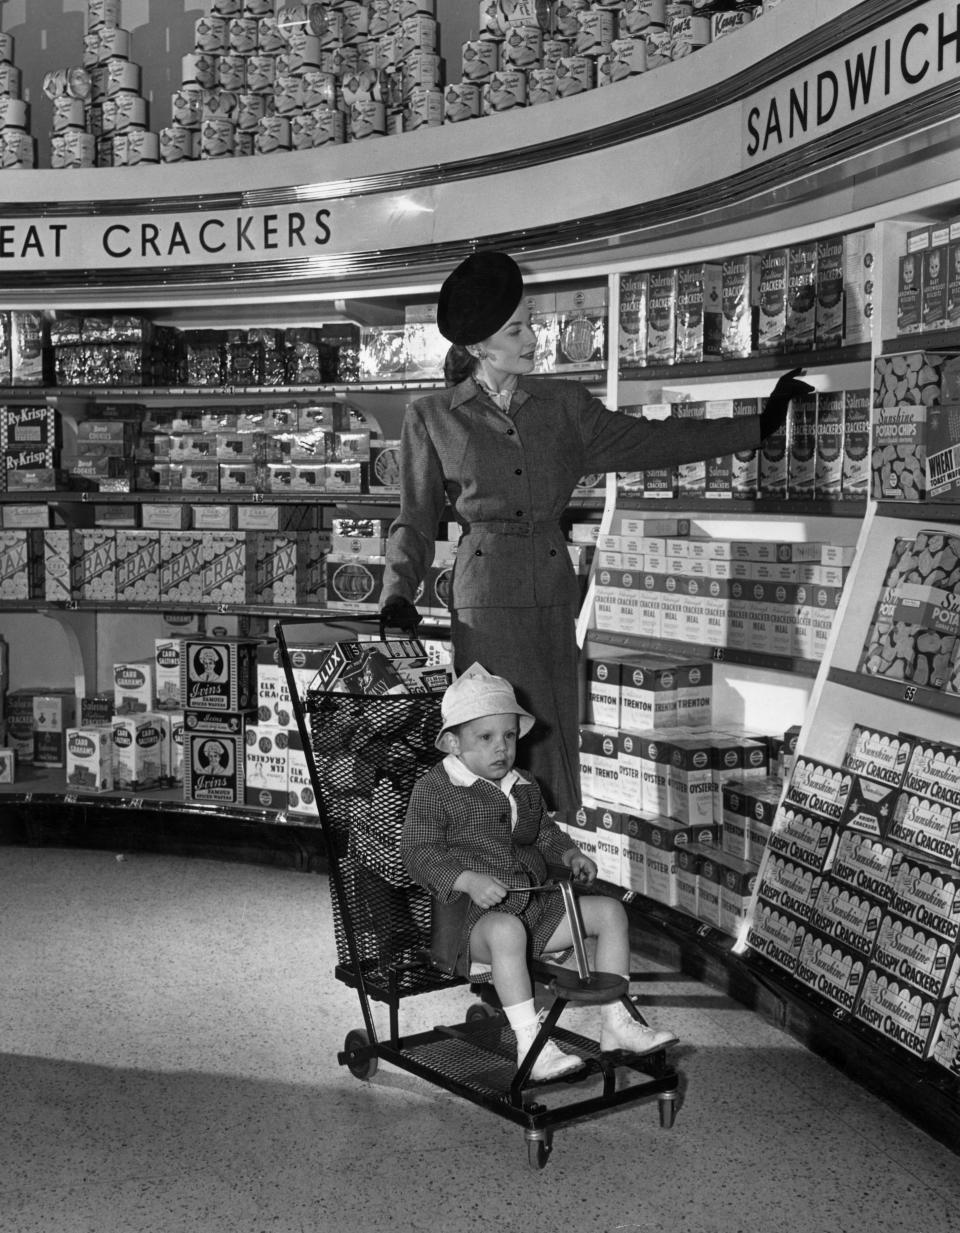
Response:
column 363, row 754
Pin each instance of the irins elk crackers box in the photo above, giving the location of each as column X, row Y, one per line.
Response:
column 219, row 674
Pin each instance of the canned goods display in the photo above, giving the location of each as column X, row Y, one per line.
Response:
column 244, row 144
column 575, row 74
column 258, row 8
column 411, row 8
column 286, row 93
column 142, row 147
column 416, row 34
column 231, row 72
column 639, row 16
column 523, row 46
column 178, row 144
column 368, row 118
column 243, row 36
column 113, row 41
column 309, row 16
column 687, row 35
column 102, row 13
column 186, row 108
column 14, row 113
column 210, row 35
column 226, row 8
column 479, row 60
column 627, row 58
column 302, row 51
column 553, row 51
column 72, row 82
column 541, row 86
column 130, row 110
column 10, row 80
column 251, row 108
column 461, row 101
column 423, row 108
column 384, row 17
column 317, row 89
column 659, row 45
column 423, row 68
column 596, row 30
column 566, row 17
column 67, row 113
column 18, row 151
column 6, row 48
column 506, row 89
column 261, row 74
column 217, row 138
column 219, row 105
column 331, row 127
column 356, row 22
column 121, row 75
column 270, row 38
column 198, row 68
column 722, row 24
column 72, row 149
column 273, row 134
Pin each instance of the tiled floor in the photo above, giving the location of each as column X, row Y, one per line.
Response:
column 168, row 1032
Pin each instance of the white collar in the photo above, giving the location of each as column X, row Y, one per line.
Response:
column 461, row 776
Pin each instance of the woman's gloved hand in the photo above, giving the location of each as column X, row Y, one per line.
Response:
column 399, row 613
column 774, row 414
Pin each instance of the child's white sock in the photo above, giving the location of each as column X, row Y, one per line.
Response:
column 521, row 1014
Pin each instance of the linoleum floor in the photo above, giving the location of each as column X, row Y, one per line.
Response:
column 168, row 1037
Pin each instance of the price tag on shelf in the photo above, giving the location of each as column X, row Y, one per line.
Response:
column 70, row 798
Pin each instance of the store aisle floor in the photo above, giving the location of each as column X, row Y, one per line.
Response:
column 168, row 1032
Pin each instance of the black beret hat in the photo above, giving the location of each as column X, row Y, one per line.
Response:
column 479, row 297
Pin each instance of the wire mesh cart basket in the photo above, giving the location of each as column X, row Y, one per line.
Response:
column 364, row 752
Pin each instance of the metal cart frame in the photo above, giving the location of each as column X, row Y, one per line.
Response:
column 382, row 922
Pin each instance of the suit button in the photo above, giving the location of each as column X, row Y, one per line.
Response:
column 519, row 513
column 553, row 552
column 510, row 432
column 519, row 471
column 478, row 553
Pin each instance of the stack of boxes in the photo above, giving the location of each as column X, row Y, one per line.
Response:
column 654, row 582
column 809, row 296
column 30, row 446
column 858, row 897
column 662, row 788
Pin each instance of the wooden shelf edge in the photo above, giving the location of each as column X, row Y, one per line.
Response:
column 664, row 646
column 905, row 692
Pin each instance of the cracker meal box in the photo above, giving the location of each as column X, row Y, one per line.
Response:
column 772, row 301
column 699, row 315
column 933, row 296
column 90, row 759
column 740, row 314
column 801, row 310
column 661, row 316
column 828, row 327
column 633, row 318
column 219, row 674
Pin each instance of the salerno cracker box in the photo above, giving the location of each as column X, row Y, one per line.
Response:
column 739, row 313
column 772, row 293
column 661, row 316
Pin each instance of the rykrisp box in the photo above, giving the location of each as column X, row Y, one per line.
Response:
column 219, row 674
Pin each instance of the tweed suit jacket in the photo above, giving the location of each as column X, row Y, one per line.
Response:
column 450, row 829
column 508, row 478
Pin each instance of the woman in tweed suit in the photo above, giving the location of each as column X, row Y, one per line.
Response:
column 505, row 451
column 477, row 828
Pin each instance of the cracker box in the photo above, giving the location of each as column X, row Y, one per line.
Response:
column 928, row 827
column 802, row 448
column 806, row 839
column 953, row 286
column 93, row 563
column 301, row 798
column 744, row 476
column 858, row 285
column 139, row 759
column 881, row 756
column 688, row 874
column 691, row 476
column 855, row 479
column 137, row 565
column 582, row 829
column 648, row 693
column 865, row 864
column 661, row 316
column 219, row 674
column 829, row 445
column 847, row 915
column 633, row 318
column 708, row 886
column 134, row 688
column 181, row 566
column 828, row 329
column 698, row 312
column 90, row 759
column 943, row 452
column 53, row 714
column 737, row 881
column 927, row 895
column 898, row 461
column 897, row 1010
column 8, row 763
column 773, row 461
column 789, row 887
column 738, row 338
column 609, row 830
column 916, row 955
column 776, row 935
column 603, row 691
column 933, row 296
column 633, row 853
column 265, row 766
column 690, row 783
column 772, row 299
column 213, row 768
column 661, row 863
column 801, row 310
column 833, row 971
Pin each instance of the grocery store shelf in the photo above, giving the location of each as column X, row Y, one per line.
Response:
column 752, row 364
column 906, row 692
column 721, row 506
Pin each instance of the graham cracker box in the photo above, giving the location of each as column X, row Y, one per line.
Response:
column 699, row 312
column 219, row 674
column 772, row 300
column 213, row 768
column 801, row 312
column 90, row 759
column 139, row 759
column 739, row 324
column 828, row 329
column 633, row 318
column 661, row 316
column 167, row 673
column 53, row 714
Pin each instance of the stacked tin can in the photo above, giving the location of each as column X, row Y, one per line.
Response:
column 18, row 150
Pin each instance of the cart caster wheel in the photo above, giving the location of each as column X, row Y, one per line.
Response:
column 480, row 1010
column 367, row 1067
column 539, row 1146
column 668, row 1110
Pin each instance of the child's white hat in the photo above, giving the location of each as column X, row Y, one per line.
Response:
column 476, row 693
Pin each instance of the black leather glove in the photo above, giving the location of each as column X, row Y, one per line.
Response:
column 774, row 414
column 399, row 613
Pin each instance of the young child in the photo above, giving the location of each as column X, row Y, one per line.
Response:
column 477, row 827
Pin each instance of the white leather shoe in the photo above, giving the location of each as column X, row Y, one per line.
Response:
column 552, row 1062
column 621, row 1033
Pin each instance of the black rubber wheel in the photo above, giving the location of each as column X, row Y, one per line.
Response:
column 481, row 1010
column 367, row 1068
column 539, row 1146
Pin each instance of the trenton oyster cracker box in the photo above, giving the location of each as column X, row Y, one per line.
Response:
column 219, row 674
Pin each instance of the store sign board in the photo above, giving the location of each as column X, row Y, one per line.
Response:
column 198, row 238
column 891, row 65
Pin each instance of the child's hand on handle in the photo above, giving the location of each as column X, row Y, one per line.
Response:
column 582, row 867
column 774, row 414
column 484, row 890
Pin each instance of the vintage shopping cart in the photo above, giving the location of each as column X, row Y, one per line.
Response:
column 363, row 754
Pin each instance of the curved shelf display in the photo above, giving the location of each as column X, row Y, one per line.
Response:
column 898, row 691
column 730, row 655
column 774, row 362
